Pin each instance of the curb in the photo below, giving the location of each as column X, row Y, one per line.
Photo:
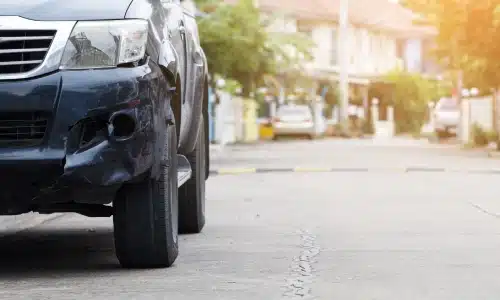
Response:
column 237, row 171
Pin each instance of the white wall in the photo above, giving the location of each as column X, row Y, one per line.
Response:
column 481, row 112
column 413, row 55
column 370, row 53
column 475, row 110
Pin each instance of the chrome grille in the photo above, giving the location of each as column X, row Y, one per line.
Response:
column 23, row 50
column 23, row 127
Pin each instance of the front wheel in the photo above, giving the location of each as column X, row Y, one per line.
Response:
column 192, row 193
column 146, row 215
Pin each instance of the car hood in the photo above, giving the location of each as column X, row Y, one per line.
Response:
column 65, row 10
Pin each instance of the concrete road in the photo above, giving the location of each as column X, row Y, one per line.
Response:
column 338, row 235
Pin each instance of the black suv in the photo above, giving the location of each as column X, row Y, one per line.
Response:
column 105, row 102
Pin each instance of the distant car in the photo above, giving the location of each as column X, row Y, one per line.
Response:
column 294, row 120
column 446, row 117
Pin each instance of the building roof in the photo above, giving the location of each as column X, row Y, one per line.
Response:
column 378, row 14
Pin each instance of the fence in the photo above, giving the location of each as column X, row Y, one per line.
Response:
column 478, row 110
column 234, row 119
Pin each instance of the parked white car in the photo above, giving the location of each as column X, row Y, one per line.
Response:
column 294, row 120
column 446, row 117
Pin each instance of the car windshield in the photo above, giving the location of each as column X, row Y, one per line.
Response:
column 447, row 104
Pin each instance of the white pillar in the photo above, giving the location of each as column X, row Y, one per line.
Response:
column 272, row 106
column 343, row 59
column 375, row 114
column 465, row 125
column 318, row 113
column 335, row 114
column 390, row 120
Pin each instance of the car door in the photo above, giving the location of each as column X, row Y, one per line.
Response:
column 195, row 66
column 176, row 32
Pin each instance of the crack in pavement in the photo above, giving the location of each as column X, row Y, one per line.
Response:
column 484, row 210
column 302, row 272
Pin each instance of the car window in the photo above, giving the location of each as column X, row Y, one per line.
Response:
column 447, row 104
column 294, row 111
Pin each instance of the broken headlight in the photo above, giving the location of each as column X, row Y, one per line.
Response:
column 105, row 44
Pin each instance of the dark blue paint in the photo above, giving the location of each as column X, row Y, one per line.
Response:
column 65, row 10
column 72, row 96
column 59, row 169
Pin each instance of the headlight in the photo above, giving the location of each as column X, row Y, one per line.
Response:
column 105, row 44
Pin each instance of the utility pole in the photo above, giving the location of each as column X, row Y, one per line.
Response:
column 343, row 60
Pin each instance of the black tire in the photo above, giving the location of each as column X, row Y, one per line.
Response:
column 146, row 215
column 192, row 193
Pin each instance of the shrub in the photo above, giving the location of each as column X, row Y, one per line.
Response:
column 480, row 137
column 492, row 136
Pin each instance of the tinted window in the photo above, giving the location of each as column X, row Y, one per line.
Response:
column 294, row 111
column 447, row 104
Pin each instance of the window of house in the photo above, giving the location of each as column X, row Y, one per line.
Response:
column 307, row 32
column 334, row 48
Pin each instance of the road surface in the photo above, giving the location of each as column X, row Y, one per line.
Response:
column 376, row 233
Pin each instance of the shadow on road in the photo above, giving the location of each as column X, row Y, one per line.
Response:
column 43, row 252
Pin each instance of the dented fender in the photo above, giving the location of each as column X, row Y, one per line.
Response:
column 169, row 61
column 105, row 128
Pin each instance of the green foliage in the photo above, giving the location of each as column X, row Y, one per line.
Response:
column 411, row 95
column 238, row 46
column 492, row 136
column 480, row 137
column 468, row 33
column 368, row 127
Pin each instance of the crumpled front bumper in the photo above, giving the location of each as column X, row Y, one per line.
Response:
column 80, row 153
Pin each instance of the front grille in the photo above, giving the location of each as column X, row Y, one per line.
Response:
column 23, row 127
column 23, row 50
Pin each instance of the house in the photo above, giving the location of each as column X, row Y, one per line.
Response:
column 381, row 36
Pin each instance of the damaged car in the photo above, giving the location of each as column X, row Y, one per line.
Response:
column 103, row 112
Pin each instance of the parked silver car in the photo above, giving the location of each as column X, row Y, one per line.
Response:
column 294, row 120
column 446, row 117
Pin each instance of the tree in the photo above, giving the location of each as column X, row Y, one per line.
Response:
column 468, row 36
column 238, row 46
column 468, row 31
column 411, row 95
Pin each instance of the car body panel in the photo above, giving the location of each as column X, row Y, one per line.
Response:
column 294, row 120
column 60, row 167
column 196, row 72
column 446, row 114
column 176, row 50
column 65, row 10
column 73, row 99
